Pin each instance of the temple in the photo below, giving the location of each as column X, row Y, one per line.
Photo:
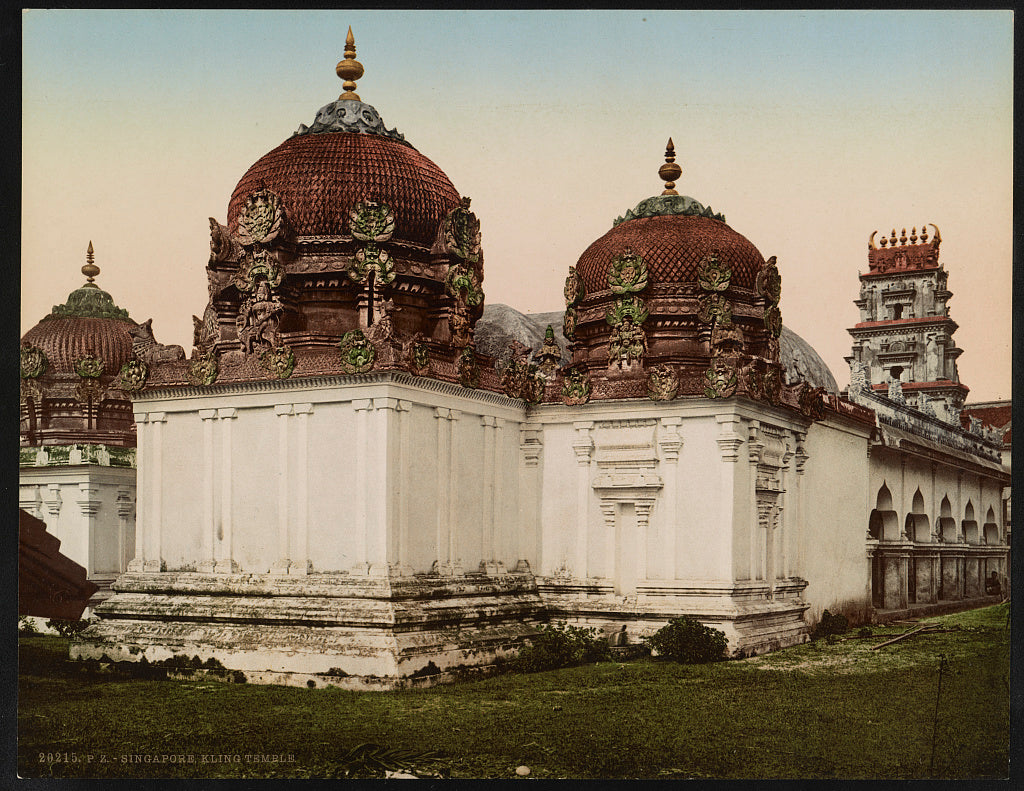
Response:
column 362, row 476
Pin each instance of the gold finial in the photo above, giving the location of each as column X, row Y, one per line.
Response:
column 349, row 69
column 903, row 236
column 913, row 235
column 924, row 234
column 670, row 171
column 90, row 270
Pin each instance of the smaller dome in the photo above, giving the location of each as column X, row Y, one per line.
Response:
column 802, row 363
column 673, row 247
column 89, row 324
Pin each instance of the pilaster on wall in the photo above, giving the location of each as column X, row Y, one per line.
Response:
column 224, row 554
column 31, row 500
column 125, row 525
column 89, row 505
column 208, row 560
column 729, row 438
column 583, row 447
column 670, row 443
column 143, row 539
column 448, row 562
column 301, row 564
column 531, row 450
column 281, row 565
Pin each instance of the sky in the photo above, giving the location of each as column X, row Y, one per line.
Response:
column 807, row 129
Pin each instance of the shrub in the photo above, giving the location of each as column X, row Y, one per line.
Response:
column 830, row 624
column 561, row 645
column 68, row 628
column 26, row 625
column 687, row 640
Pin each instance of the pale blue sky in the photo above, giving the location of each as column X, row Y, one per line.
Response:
column 808, row 130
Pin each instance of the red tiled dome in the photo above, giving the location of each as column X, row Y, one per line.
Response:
column 67, row 340
column 320, row 176
column 672, row 247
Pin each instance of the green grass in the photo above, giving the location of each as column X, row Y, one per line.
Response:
column 819, row 710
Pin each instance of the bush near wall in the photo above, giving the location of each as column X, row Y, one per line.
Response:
column 687, row 640
column 561, row 645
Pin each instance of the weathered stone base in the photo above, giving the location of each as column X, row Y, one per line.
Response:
column 358, row 632
column 752, row 622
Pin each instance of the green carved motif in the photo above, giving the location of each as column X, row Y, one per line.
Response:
column 85, row 453
column 372, row 222
column 133, row 376
column 662, row 383
column 203, row 369
column 632, row 306
column 280, row 361
column 258, row 263
column 89, row 367
column 533, row 387
column 464, row 278
column 628, row 343
column 720, row 380
column 420, row 362
column 576, row 387
column 89, row 302
column 462, row 233
column 627, row 274
column 33, row 362
column 712, row 274
column 261, row 218
column 714, row 308
column 769, row 282
column 569, row 321
column 669, row 206
column 773, row 320
column 573, row 288
column 469, row 371
column 372, row 257
column 357, row 355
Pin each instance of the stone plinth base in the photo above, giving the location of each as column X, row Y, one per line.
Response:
column 752, row 622
column 365, row 632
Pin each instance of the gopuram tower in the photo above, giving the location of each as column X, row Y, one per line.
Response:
column 903, row 344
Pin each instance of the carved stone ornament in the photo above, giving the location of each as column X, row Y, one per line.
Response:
column 280, row 361
column 258, row 264
column 461, row 278
column 714, row 308
column 627, row 344
column 371, row 222
column 550, row 353
column 261, row 219
column 383, row 329
column 533, row 387
column 146, row 348
column 205, row 331
column 576, row 387
column 631, row 306
column 357, row 355
column 462, row 233
column 569, row 321
column 712, row 274
column 349, row 115
column 417, row 355
column 811, row 403
column 220, row 242
column 513, row 378
column 772, row 383
column 258, row 320
column 368, row 257
column 669, row 206
column 460, row 326
column 573, row 288
column 773, row 320
column 203, row 369
column 627, row 273
column 133, row 376
column 30, row 388
column 89, row 389
column 89, row 367
column 769, row 282
column 33, row 362
column 662, row 383
column 720, row 380
column 469, row 370
column 860, row 375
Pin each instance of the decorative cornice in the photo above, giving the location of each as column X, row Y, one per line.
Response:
column 667, row 206
column 76, row 454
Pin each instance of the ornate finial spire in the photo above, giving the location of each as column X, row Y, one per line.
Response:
column 670, row 171
column 349, row 69
column 90, row 270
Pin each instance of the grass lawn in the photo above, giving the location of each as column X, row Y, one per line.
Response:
column 821, row 710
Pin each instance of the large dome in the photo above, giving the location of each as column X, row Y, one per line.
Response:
column 320, row 176
column 673, row 247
